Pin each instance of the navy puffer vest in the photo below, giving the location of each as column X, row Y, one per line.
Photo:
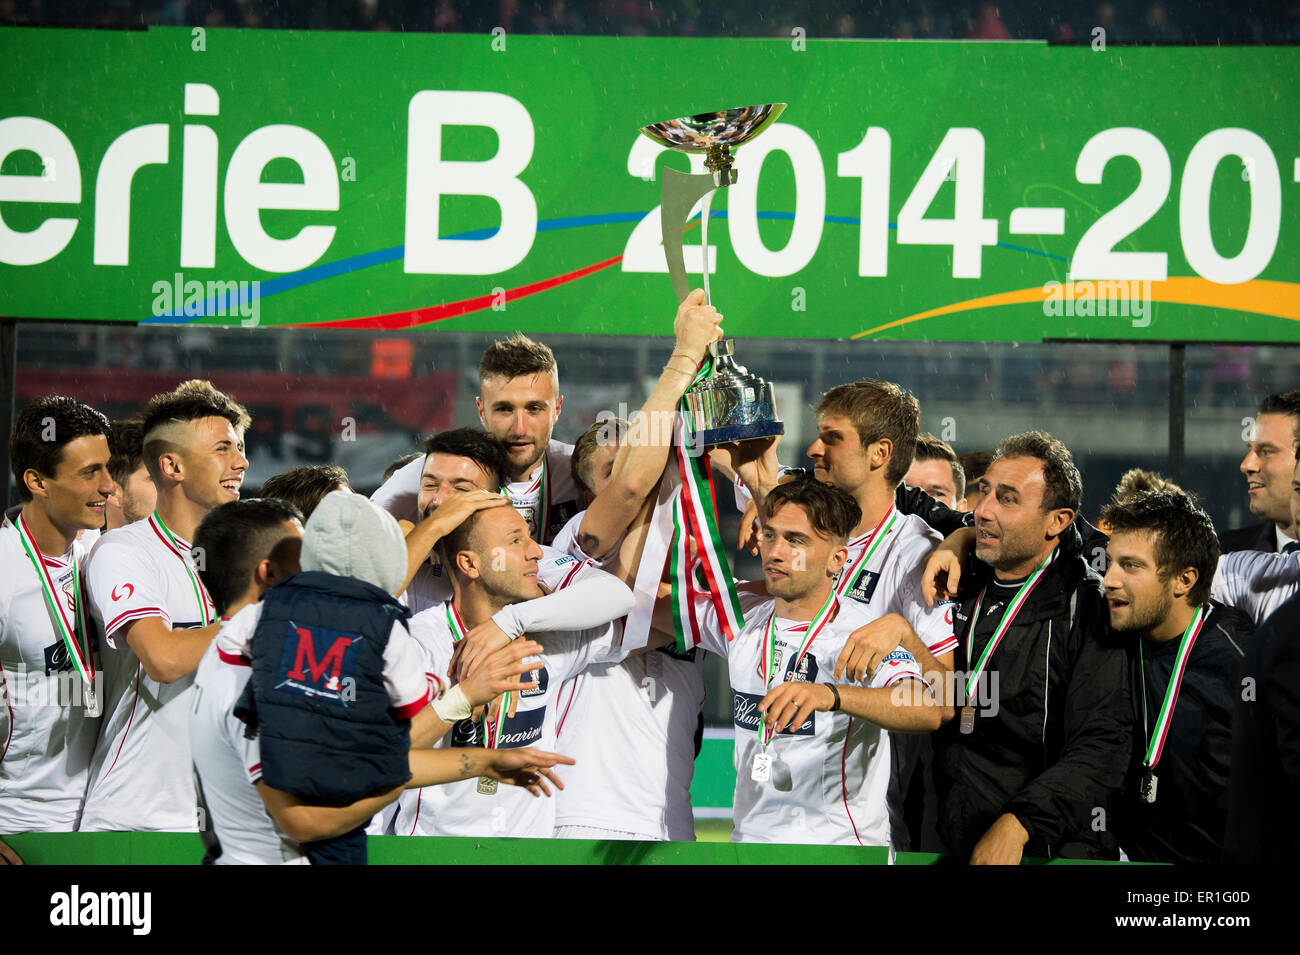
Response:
column 316, row 697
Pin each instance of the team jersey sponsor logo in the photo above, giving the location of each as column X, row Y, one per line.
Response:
column 863, row 586
column 57, row 659
column 806, row 673
column 319, row 663
column 524, row 729
column 745, row 714
column 898, row 658
column 126, row 590
column 948, row 610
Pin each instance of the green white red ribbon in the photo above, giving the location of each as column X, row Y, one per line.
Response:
column 767, row 663
column 72, row 630
column 877, row 536
column 1013, row 608
column 695, row 520
column 1165, row 718
column 491, row 727
column 200, row 592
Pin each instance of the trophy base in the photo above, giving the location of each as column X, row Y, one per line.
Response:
column 741, row 432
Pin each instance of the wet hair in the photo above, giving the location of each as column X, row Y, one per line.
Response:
column 233, row 538
column 831, row 511
column 305, row 486
column 41, row 430
column 878, row 409
column 1182, row 534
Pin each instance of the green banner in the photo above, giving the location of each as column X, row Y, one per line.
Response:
column 979, row 191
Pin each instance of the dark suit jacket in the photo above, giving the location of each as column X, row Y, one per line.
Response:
column 1259, row 537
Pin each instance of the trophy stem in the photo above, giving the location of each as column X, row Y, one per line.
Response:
column 705, row 205
column 680, row 193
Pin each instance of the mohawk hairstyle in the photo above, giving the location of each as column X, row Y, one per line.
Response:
column 192, row 400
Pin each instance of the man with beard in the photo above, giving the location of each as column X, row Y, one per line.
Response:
column 1184, row 656
column 1033, row 772
column 519, row 402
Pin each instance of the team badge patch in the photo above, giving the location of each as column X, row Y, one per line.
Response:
column 319, row 663
column 863, row 586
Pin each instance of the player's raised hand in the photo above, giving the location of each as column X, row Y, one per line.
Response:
column 697, row 325
column 455, row 508
column 747, row 539
column 867, row 646
column 500, row 673
column 790, row 704
column 942, row 574
column 480, row 643
column 529, row 768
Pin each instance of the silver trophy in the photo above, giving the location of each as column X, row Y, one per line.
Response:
column 731, row 404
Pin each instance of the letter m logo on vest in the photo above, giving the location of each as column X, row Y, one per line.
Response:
column 317, row 662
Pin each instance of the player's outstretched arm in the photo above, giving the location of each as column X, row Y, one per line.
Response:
column 303, row 822
column 644, row 453
column 907, row 707
column 168, row 655
column 529, row 768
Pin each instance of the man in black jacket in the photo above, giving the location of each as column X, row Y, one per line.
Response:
column 1034, row 770
column 1267, row 466
column 1184, row 656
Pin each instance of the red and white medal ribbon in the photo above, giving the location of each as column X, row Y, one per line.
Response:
column 72, row 630
column 873, row 544
column 491, row 728
column 207, row 610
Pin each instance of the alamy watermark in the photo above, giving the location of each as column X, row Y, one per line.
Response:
column 1106, row 298
column 193, row 298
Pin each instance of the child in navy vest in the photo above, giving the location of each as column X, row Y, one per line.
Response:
column 326, row 641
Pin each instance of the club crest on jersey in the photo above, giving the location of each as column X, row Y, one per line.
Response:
column 123, row 591
column 57, row 659
column 319, row 663
column 863, row 586
column 560, row 515
column 538, row 676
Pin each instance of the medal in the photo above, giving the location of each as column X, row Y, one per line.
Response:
column 1147, row 790
column 1165, row 718
column 70, row 628
column 487, row 785
column 761, row 769
column 967, row 719
column 89, row 698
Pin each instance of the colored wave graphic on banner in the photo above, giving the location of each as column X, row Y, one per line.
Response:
column 412, row 318
column 1258, row 296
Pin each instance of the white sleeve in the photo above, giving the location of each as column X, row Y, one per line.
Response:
column 404, row 674
column 933, row 625
column 569, row 653
column 124, row 585
column 400, row 494
column 1224, row 587
column 249, row 751
column 706, row 615
column 585, row 597
column 435, row 650
column 567, row 539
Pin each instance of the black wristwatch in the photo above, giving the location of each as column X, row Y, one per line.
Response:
column 836, row 693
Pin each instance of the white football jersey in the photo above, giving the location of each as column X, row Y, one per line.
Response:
column 140, row 776
column 1255, row 582
column 400, row 494
column 631, row 727
column 460, row 809
column 229, row 764
column 829, row 777
column 46, row 733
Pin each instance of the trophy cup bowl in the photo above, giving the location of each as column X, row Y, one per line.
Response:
column 715, row 134
column 731, row 404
